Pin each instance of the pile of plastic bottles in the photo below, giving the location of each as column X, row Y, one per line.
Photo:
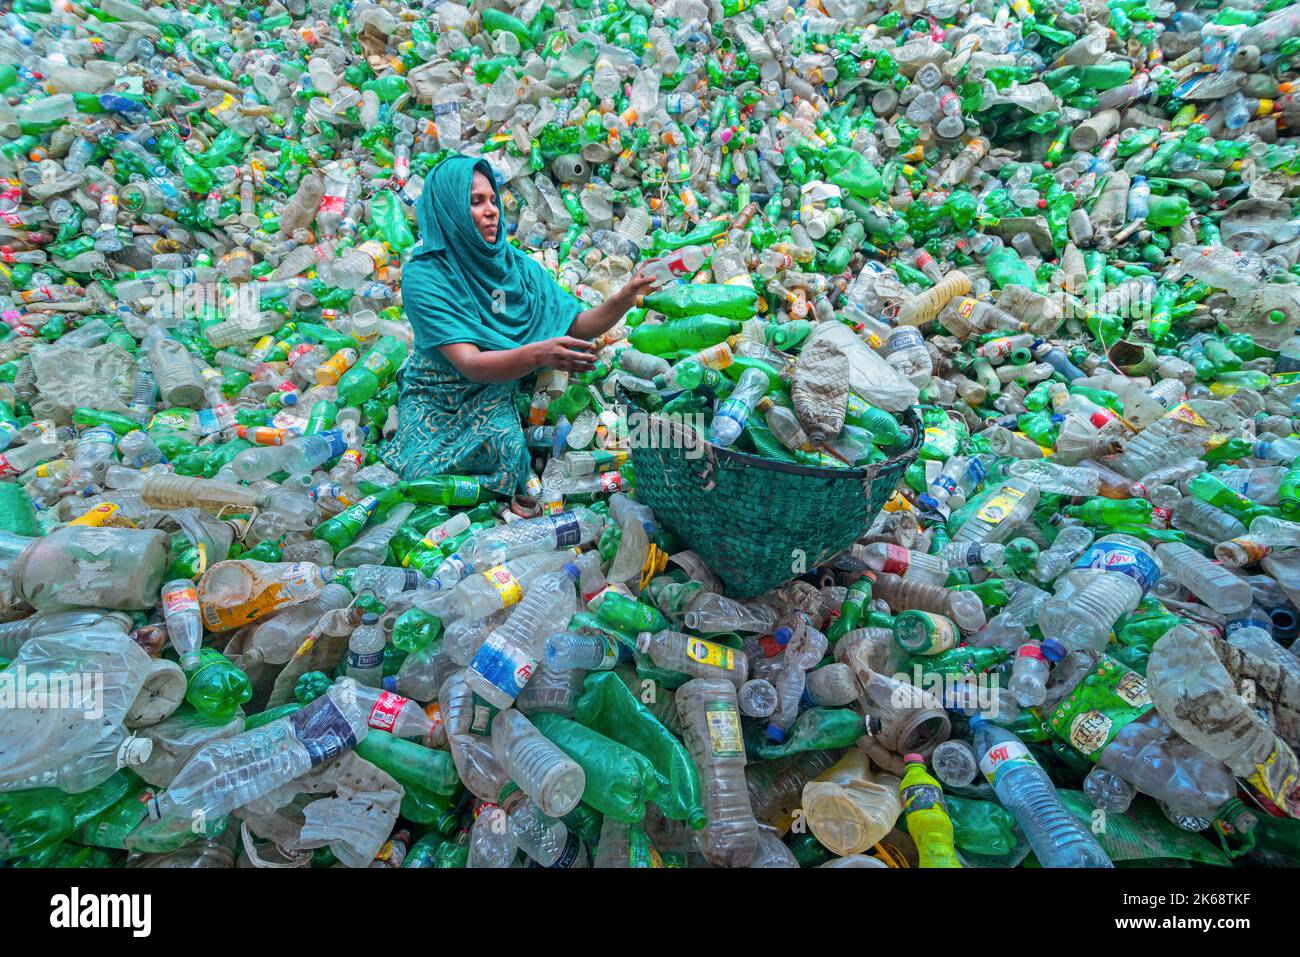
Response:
column 1062, row 232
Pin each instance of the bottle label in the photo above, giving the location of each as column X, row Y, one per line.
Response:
column 925, row 633
column 506, row 584
column 640, row 852
column 323, row 730
column 179, row 601
column 612, row 654
column 1122, row 558
column 1101, row 705
column 1031, row 651
column 503, row 665
column 568, row 530
column 1253, row 550
column 6, row 470
column 481, row 715
column 1185, row 413
column 707, row 653
column 922, row 797
column 298, row 582
column 610, row 481
column 376, row 363
column 568, row 857
column 723, row 722
column 433, row 711
column 904, row 337
column 1003, row 757
column 364, row 662
column 464, row 491
column 897, row 559
column 997, row 508
column 383, row 715
column 1238, row 624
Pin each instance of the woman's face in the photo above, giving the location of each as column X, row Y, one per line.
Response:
column 483, row 207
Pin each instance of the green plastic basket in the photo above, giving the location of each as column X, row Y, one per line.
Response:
column 757, row 522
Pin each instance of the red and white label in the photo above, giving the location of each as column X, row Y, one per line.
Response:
column 181, row 600
column 383, row 716
column 610, row 481
column 897, row 559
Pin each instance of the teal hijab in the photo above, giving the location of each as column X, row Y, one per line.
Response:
column 458, row 287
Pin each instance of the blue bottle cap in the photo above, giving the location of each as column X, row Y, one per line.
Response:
column 1053, row 650
column 775, row 733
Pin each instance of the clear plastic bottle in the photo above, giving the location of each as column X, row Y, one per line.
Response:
column 501, row 586
column 542, row 771
column 1023, row 787
column 1070, row 543
column 911, row 565
column 1107, row 581
column 568, row 529
column 567, row 650
column 547, row 841
column 676, row 651
column 733, row 413
column 1029, row 675
column 231, row 772
column 365, row 660
column 508, row 658
column 711, row 728
column 1213, row 584
column 1001, row 514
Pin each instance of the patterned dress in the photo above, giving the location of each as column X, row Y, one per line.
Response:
column 448, row 425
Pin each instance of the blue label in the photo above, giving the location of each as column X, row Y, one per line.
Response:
column 1238, row 624
column 365, row 661
column 1125, row 559
column 338, row 444
column 323, row 730
column 568, row 531
column 502, row 665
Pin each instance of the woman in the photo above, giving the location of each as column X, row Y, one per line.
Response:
column 485, row 315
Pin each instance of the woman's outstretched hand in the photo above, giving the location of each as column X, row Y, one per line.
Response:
column 638, row 285
column 565, row 354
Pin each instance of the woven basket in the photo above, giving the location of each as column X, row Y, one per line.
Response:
column 757, row 522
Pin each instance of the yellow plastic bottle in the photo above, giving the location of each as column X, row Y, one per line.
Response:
column 927, row 817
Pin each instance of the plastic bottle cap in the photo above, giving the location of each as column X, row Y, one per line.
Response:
column 928, row 502
column 134, row 752
column 783, row 635
column 572, row 570
column 775, row 732
column 913, row 759
column 390, row 683
column 1053, row 650
column 369, row 618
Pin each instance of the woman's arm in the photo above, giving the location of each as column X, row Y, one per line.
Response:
column 600, row 319
column 505, row 365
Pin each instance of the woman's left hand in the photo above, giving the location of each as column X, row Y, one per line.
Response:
column 638, row 285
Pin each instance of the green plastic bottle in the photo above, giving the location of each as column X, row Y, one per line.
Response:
column 216, row 688
column 376, row 368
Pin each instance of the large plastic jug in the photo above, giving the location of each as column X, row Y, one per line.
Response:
column 850, row 807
